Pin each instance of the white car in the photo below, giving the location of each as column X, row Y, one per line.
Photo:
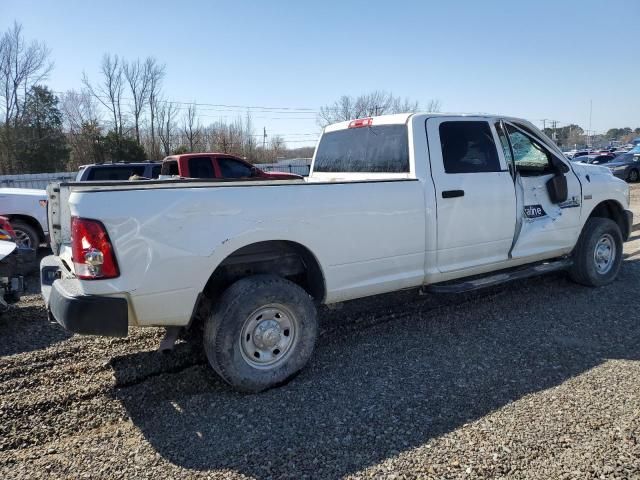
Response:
column 26, row 209
column 443, row 203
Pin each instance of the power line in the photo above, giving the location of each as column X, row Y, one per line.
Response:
column 215, row 105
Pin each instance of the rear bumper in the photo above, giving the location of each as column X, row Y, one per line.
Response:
column 80, row 313
column 628, row 217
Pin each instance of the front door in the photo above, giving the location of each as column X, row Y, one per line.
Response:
column 545, row 227
column 475, row 195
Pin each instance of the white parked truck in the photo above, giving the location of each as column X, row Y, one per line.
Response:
column 26, row 210
column 442, row 203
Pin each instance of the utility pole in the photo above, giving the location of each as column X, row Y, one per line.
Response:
column 590, row 112
column 264, row 138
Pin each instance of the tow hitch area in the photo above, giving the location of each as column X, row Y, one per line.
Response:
column 11, row 280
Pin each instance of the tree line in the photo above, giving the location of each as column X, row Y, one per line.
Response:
column 122, row 114
column 574, row 135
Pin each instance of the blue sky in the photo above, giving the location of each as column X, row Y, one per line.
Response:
column 542, row 59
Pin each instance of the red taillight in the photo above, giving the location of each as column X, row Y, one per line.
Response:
column 6, row 230
column 361, row 122
column 92, row 252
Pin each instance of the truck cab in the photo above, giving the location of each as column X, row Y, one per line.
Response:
column 219, row 166
column 117, row 171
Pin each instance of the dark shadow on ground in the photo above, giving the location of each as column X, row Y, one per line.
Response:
column 378, row 386
column 26, row 328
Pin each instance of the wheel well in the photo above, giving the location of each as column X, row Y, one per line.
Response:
column 283, row 258
column 32, row 222
column 612, row 210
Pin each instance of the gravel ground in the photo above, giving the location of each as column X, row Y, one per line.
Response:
column 536, row 379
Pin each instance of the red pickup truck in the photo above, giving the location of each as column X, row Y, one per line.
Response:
column 217, row 165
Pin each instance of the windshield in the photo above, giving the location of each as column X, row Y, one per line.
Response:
column 377, row 149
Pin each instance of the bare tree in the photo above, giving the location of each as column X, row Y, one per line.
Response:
column 22, row 65
column 81, row 119
column 78, row 108
column 155, row 73
column 277, row 145
column 249, row 142
column 191, row 127
column 109, row 91
column 433, row 106
column 369, row 105
column 138, row 77
column 166, row 124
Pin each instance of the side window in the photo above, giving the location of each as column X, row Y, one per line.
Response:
column 201, row 167
column 230, row 168
column 170, row 167
column 468, row 147
column 155, row 171
column 530, row 157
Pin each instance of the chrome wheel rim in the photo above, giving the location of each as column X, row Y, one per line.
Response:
column 604, row 254
column 268, row 335
column 22, row 239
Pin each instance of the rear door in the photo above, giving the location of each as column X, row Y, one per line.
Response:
column 475, row 195
column 201, row 167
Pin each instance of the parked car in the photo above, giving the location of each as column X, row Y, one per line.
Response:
column 12, row 260
column 594, row 159
column 26, row 209
column 626, row 166
column 577, row 153
column 101, row 172
column 424, row 201
column 218, row 165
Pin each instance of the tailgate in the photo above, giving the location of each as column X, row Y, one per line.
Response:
column 58, row 216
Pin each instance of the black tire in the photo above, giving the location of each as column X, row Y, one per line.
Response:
column 634, row 176
column 228, row 338
column 585, row 269
column 25, row 233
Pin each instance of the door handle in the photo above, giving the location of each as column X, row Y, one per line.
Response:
column 452, row 193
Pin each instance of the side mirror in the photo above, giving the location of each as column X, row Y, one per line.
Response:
column 557, row 188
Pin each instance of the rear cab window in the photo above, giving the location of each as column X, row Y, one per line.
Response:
column 170, row 167
column 114, row 173
column 370, row 149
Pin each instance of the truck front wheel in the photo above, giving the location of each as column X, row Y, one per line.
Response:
column 261, row 332
column 598, row 254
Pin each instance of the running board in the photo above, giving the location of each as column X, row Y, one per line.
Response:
column 499, row 278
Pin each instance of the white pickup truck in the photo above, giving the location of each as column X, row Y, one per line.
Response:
column 444, row 203
column 26, row 210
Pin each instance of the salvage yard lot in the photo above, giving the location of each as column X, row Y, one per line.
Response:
column 535, row 379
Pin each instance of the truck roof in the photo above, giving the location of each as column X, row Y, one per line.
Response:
column 400, row 118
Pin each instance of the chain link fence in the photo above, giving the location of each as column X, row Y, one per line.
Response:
column 34, row 180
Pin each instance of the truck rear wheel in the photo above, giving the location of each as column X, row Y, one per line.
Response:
column 261, row 332
column 26, row 235
column 598, row 254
